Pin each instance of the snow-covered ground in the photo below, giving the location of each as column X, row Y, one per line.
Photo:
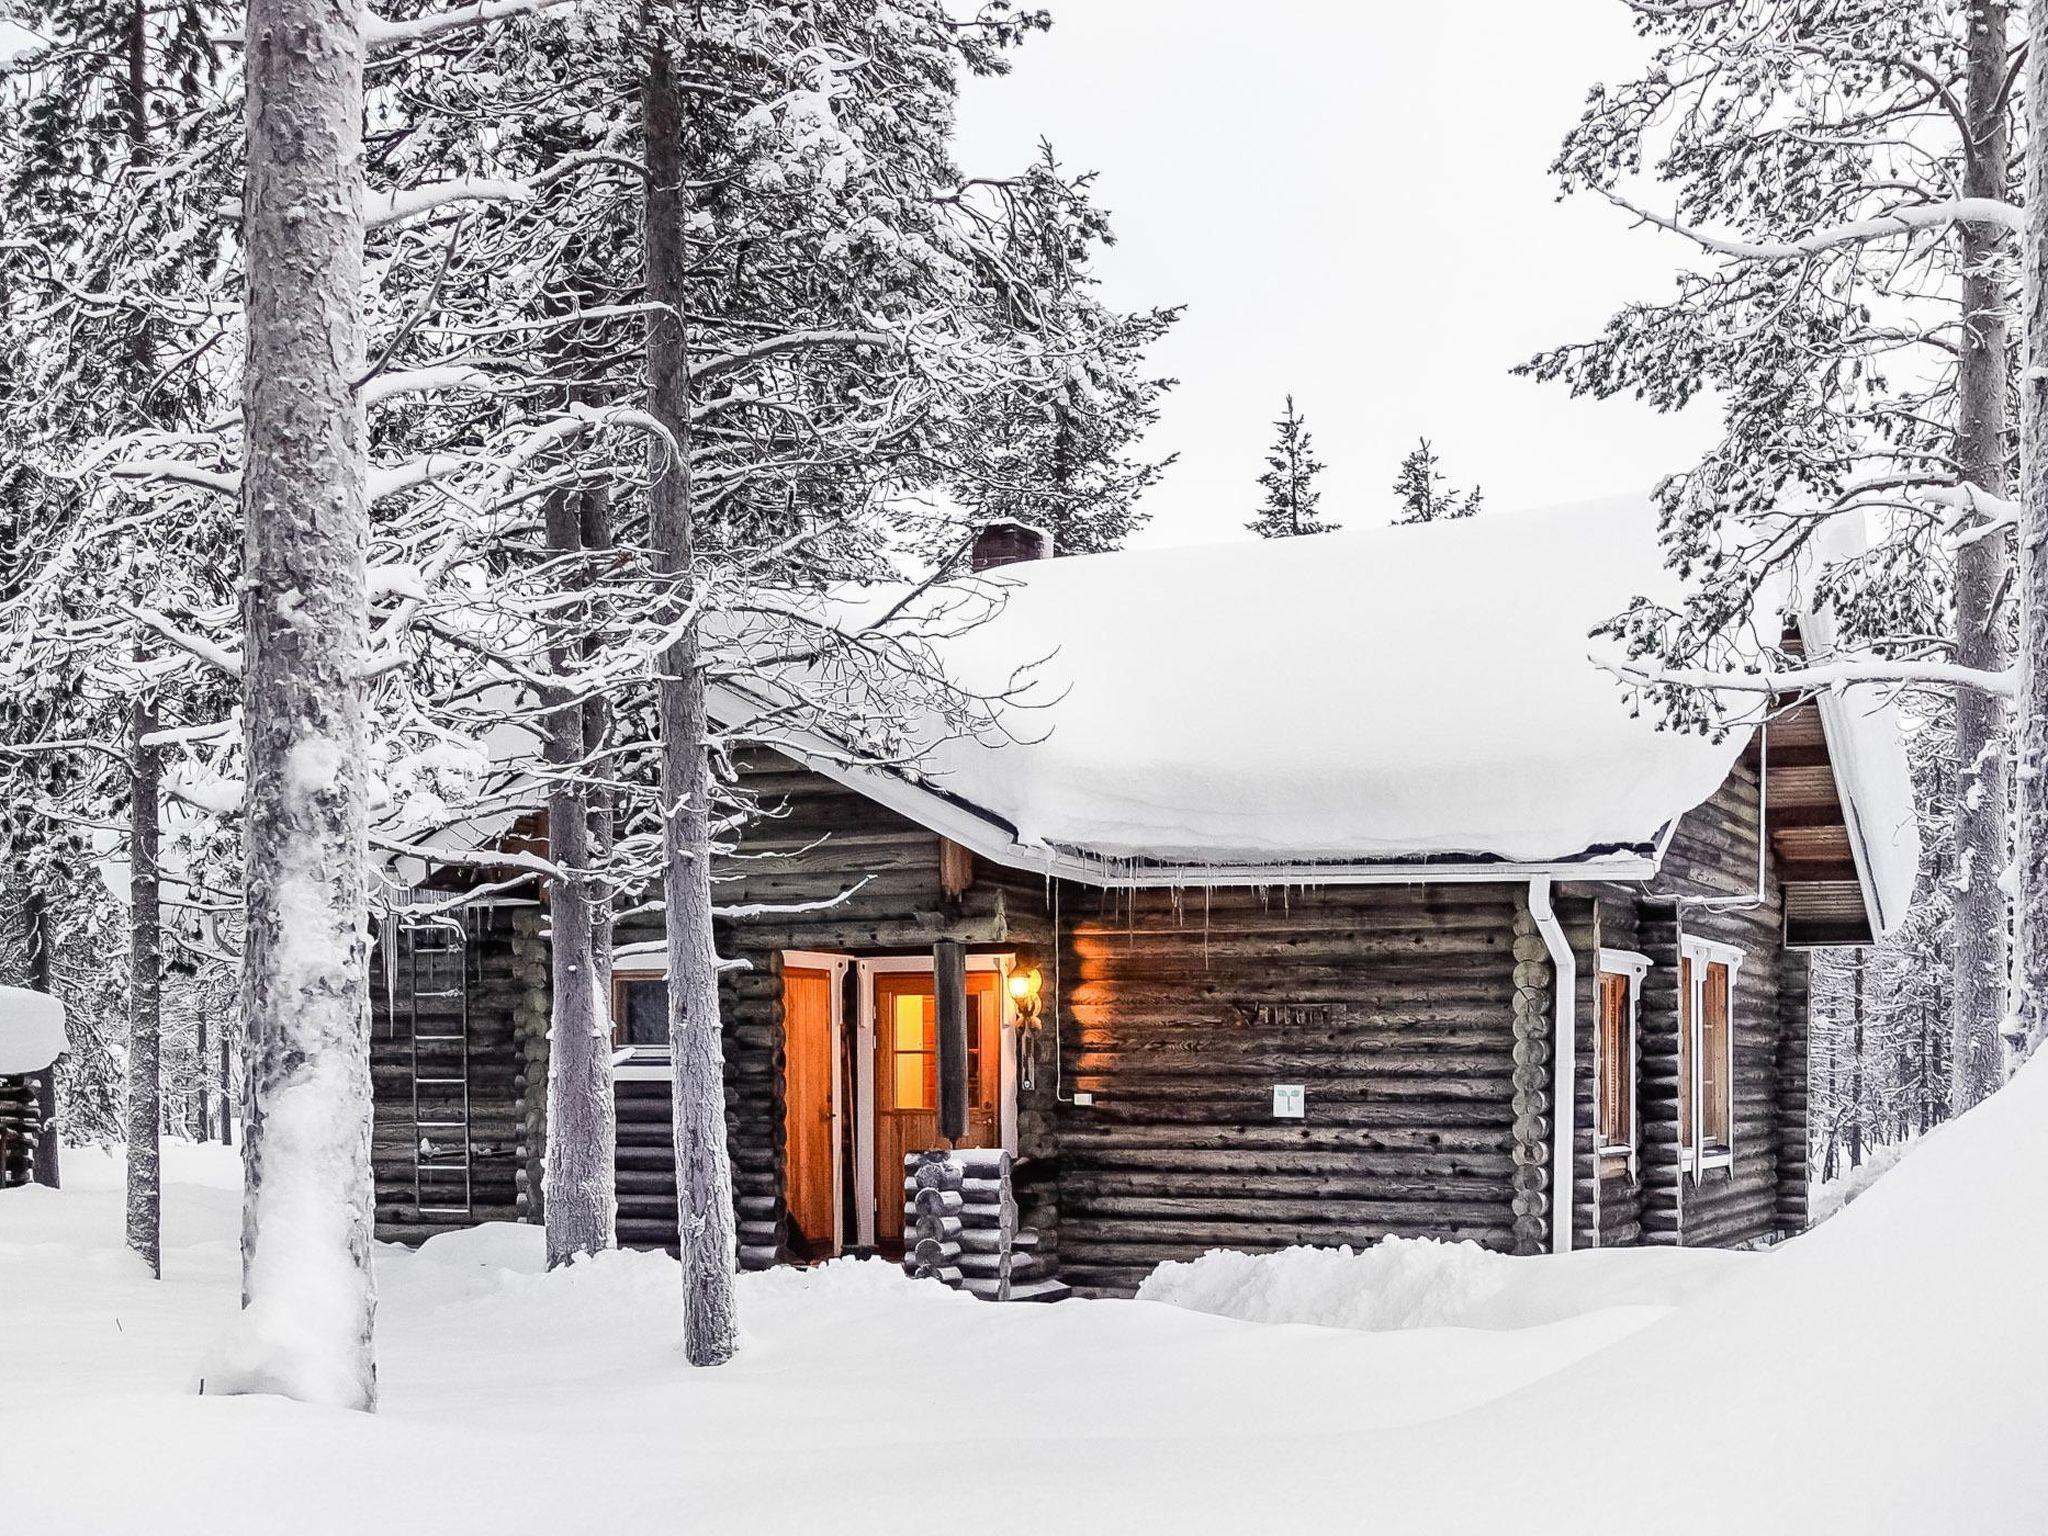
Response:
column 1889, row 1372
column 1830, row 1195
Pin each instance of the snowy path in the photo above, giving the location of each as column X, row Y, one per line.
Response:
column 1858, row 1379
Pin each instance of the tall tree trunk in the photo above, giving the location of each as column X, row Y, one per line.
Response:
column 2031, row 900
column 1856, row 1070
column 703, row 1167
column 309, row 1301
column 47, row 1139
column 597, row 539
column 145, row 998
column 1982, row 575
column 581, row 1202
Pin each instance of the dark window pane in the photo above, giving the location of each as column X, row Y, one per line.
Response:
column 646, row 1021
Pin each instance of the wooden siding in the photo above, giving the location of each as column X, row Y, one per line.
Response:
column 1714, row 854
column 495, row 1083
column 818, row 841
column 1392, row 1005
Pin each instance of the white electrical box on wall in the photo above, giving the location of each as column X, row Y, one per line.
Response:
column 1289, row 1101
column 1084, row 1098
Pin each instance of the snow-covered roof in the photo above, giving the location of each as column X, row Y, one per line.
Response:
column 1362, row 702
column 31, row 1031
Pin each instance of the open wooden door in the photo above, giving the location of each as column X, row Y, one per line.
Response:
column 810, row 1148
column 907, row 1080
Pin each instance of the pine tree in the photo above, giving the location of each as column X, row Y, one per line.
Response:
column 1291, row 495
column 1852, row 317
column 1424, row 493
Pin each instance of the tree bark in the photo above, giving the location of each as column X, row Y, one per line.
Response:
column 48, row 1141
column 1856, row 1070
column 309, row 1301
column 1982, row 574
column 581, row 1202
column 703, row 1167
column 145, row 999
column 2031, row 898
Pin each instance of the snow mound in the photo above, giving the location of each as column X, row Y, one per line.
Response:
column 31, row 1031
column 1423, row 1283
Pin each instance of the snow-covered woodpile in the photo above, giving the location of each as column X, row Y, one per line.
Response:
column 932, row 1206
column 31, row 1039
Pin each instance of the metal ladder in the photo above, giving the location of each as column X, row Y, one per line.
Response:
column 436, row 1003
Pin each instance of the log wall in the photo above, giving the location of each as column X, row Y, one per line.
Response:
column 1714, row 853
column 1417, row 1019
column 495, row 1073
column 1392, row 1005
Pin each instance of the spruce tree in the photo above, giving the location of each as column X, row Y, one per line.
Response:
column 1424, row 493
column 1291, row 495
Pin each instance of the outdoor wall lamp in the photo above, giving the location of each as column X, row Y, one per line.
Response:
column 1024, row 985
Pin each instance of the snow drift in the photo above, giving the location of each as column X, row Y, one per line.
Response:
column 31, row 1031
column 1405, row 1282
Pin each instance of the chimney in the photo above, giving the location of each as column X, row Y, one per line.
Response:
column 1009, row 543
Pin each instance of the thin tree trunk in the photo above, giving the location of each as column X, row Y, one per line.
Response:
column 581, row 1203
column 227, row 1090
column 1856, row 1071
column 2031, row 914
column 202, row 1077
column 309, row 1301
column 47, row 1139
column 703, row 1168
column 1982, row 574
column 145, row 999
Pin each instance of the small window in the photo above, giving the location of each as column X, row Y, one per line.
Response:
column 1614, row 1051
column 1706, row 1053
column 640, row 1012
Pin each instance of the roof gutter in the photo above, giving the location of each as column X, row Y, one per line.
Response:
column 1564, row 967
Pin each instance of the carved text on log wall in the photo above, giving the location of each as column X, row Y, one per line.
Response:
column 1285, row 1015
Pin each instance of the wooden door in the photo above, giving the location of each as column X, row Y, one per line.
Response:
column 907, row 1080
column 809, row 1149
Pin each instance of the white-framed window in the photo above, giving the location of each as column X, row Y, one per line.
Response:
column 1706, row 1053
column 1615, row 1122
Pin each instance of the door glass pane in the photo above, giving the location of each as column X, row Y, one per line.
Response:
column 914, row 1075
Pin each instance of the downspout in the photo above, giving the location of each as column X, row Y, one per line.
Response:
column 1564, row 966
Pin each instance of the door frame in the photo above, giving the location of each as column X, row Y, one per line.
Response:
column 864, row 1191
column 836, row 967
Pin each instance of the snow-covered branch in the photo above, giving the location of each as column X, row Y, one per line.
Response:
column 382, row 208
column 1885, row 226
column 205, row 650
column 381, row 33
column 1820, row 677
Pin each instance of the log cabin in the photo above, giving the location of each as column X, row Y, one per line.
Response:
column 1331, row 892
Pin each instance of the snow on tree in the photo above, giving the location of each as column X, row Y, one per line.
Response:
column 1289, row 508
column 1425, row 492
column 1854, row 326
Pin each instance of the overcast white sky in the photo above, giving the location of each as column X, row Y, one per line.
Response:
column 1351, row 197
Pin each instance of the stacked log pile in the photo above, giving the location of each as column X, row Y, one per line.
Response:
column 1535, row 980
column 961, row 1227
column 932, row 1202
column 19, row 1127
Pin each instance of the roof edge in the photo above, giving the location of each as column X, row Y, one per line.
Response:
column 989, row 836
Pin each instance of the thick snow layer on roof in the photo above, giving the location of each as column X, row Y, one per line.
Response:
column 1377, row 695
column 31, row 1031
